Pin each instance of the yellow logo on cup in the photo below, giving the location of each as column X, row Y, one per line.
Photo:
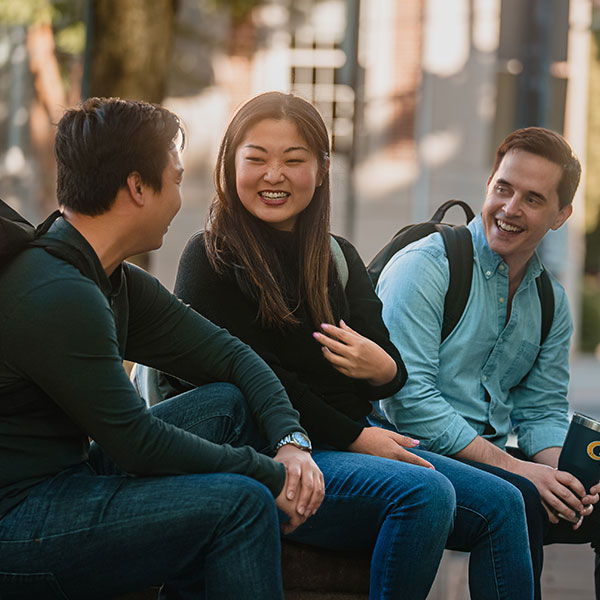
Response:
column 593, row 450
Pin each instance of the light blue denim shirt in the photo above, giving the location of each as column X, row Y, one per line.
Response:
column 485, row 372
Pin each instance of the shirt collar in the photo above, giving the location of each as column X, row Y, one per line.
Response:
column 489, row 261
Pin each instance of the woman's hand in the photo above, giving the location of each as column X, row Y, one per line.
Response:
column 388, row 444
column 354, row 355
column 304, row 487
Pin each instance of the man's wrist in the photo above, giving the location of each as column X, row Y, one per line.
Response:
column 295, row 438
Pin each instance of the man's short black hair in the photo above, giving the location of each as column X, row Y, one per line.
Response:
column 100, row 143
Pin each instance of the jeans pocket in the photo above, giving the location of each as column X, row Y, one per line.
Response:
column 30, row 586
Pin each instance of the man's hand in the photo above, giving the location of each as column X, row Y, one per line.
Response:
column 388, row 444
column 289, row 508
column 562, row 493
column 550, row 456
column 304, row 487
column 355, row 355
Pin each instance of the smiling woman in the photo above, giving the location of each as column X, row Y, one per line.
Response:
column 264, row 270
column 276, row 173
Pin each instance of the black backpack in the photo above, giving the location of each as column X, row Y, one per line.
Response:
column 16, row 233
column 459, row 249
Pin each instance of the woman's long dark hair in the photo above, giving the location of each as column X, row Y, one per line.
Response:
column 236, row 237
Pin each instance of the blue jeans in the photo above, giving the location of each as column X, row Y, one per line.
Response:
column 541, row 531
column 400, row 512
column 490, row 524
column 93, row 532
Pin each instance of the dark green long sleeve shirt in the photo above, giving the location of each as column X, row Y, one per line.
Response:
column 62, row 342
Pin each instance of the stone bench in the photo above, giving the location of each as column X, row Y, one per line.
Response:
column 311, row 574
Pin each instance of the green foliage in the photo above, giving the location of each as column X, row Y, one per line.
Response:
column 71, row 39
column 238, row 9
column 590, row 314
column 26, row 12
column 65, row 17
column 592, row 174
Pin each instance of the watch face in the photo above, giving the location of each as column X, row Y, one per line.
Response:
column 300, row 439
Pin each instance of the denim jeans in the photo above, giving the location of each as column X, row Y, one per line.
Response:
column 93, row 532
column 490, row 524
column 400, row 512
column 541, row 531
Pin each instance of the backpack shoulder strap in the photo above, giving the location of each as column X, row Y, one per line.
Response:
column 340, row 261
column 546, row 295
column 459, row 249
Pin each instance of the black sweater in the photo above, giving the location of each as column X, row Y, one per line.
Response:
column 332, row 406
column 62, row 341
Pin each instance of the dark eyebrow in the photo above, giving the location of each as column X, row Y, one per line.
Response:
column 530, row 192
column 291, row 149
column 296, row 148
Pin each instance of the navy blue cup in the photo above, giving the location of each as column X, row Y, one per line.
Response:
column 580, row 453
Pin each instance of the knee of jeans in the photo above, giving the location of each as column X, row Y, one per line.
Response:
column 249, row 493
column 438, row 494
column 251, row 499
column 510, row 501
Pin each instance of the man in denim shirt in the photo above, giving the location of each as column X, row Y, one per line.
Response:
column 490, row 376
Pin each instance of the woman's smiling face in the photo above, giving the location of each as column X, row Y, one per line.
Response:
column 276, row 173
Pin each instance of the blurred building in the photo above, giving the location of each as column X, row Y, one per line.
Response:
column 418, row 94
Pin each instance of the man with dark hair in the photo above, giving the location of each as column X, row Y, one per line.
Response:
column 83, row 521
column 490, row 377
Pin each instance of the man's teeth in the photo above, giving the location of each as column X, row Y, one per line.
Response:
column 506, row 227
column 274, row 195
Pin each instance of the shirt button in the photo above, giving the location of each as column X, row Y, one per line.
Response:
column 488, row 273
column 485, row 377
column 500, row 341
column 501, row 267
column 501, row 300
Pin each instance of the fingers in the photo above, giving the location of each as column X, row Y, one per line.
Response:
column 595, row 490
column 552, row 516
column 413, row 459
column 388, row 444
column 293, row 479
column 289, row 508
column 563, row 502
column 591, row 498
column 347, row 327
column 343, row 333
column 304, row 486
column 572, row 483
column 330, row 343
column 294, row 521
column 403, row 440
column 312, row 492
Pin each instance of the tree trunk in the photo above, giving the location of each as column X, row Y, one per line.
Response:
column 131, row 44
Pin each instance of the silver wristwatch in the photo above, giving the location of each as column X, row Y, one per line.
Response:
column 296, row 438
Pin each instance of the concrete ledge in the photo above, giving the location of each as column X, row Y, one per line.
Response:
column 310, row 574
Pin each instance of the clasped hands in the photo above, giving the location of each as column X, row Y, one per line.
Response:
column 304, row 487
